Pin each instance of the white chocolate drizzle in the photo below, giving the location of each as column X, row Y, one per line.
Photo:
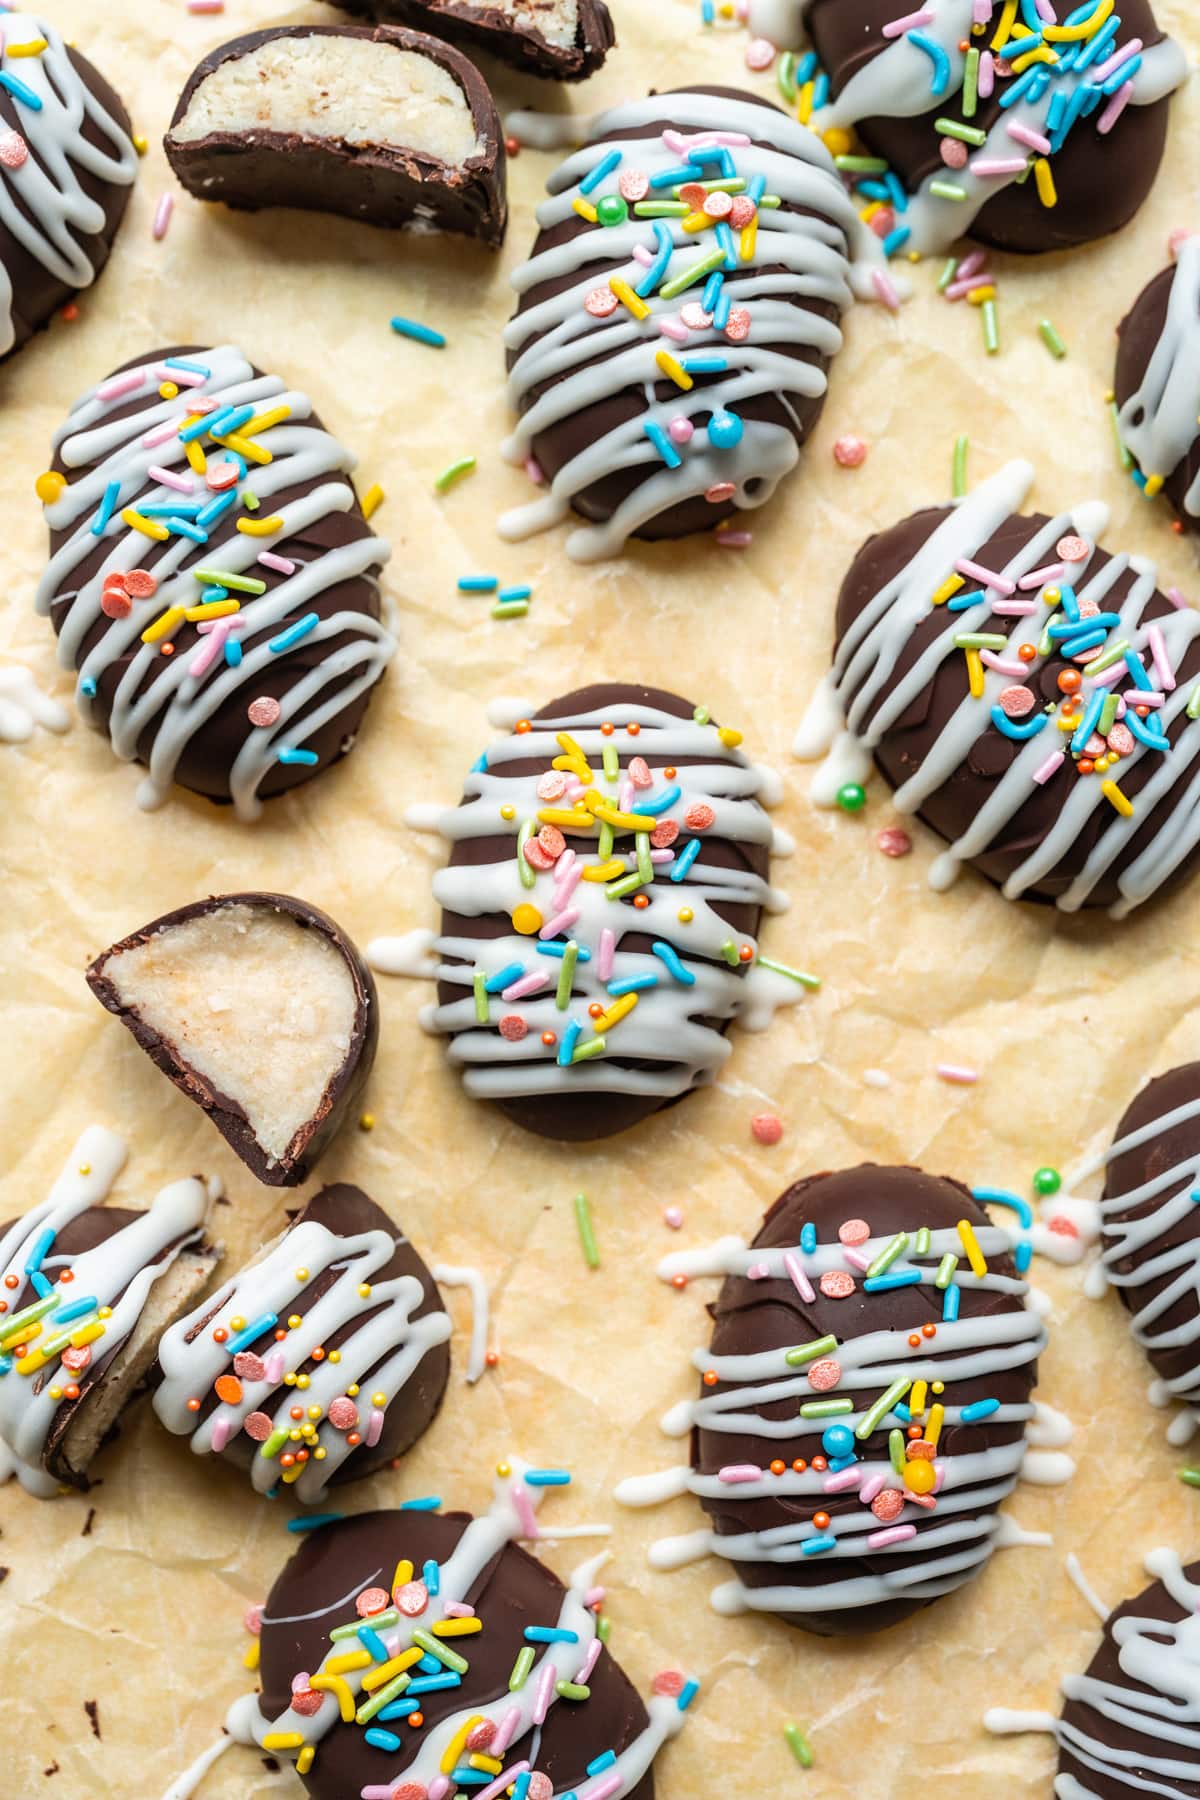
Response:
column 384, row 1352
column 797, row 256
column 859, row 702
column 114, row 463
column 115, row 1277
column 1161, row 421
column 697, row 974
column 42, row 200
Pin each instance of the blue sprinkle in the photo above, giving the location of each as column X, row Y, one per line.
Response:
column 183, row 509
column 700, row 154
column 20, row 92
column 1125, row 73
column 196, row 429
column 1020, row 734
column 75, row 1309
column 5, row 1365
column 108, row 506
column 661, row 803
column 185, row 528
column 668, row 954
column 940, row 78
column 1137, row 670
column 808, row 1238
column 421, row 334
column 757, row 187
column 672, row 177
column 308, row 757
column 723, row 308
column 429, row 1665
column 634, row 984
column 705, row 365
column 479, row 767
column 882, row 1284
column 896, row 195
column 294, row 633
column 724, row 236
column 1089, row 721
column 233, row 657
column 314, row 1522
column 245, row 1338
column 601, row 172
column 687, row 1694
column 599, row 1763
column 229, row 419
column 399, row 1709
column 964, row 602
column 820, row 90
column 662, row 443
column 1068, row 602
column 662, row 260
column 725, row 431
column 989, row 1196
column 181, row 362
column 372, row 1641
column 430, row 1503
column 806, row 68
column 549, row 1634
column 712, row 291
column 42, row 1246
column 431, row 1576
column 469, row 1778
column 896, row 240
column 543, row 1478
column 429, row 1684
column 41, row 1286
column 515, row 593
column 521, row 1785
column 556, row 949
column 87, row 687
column 1023, row 1255
column 685, row 859
column 1108, row 620
column 979, row 1409
column 477, row 584
column 504, row 978
column 951, row 1301
column 813, row 1546
column 381, row 1740
column 209, row 594
column 902, row 1412
column 215, row 509
column 1025, row 87
column 566, row 1047
column 838, row 1463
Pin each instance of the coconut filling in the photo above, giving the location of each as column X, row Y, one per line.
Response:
column 260, row 1006
column 556, row 20
column 351, row 89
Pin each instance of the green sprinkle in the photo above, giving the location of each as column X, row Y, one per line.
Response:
column 698, row 270
column 464, row 466
column 947, row 190
column 945, row 1270
column 585, row 1052
column 249, row 500
column 1190, row 1477
column 612, row 762
column 1193, row 705
column 970, row 92
column 379, row 1622
column 811, row 982
column 617, row 890
column 510, row 609
column 1052, row 339
column 961, row 446
column 382, row 1697
column 644, row 865
column 1113, row 654
column 1126, row 460
column 991, row 329
column 274, row 1445
column 604, row 841
column 479, row 983
column 785, row 75
column 770, row 203
column 798, row 1744
column 591, row 1256
column 701, row 715
column 435, row 1647
column 949, row 271
column 662, row 209
column 734, row 184
column 888, row 1254
column 826, row 1409
column 921, row 1246
column 979, row 640
column 1108, row 713
column 883, row 1405
column 729, row 951
column 521, row 1668
column 966, row 134
column 861, row 165
column 806, row 1352
column 29, row 1315
column 604, row 1628
column 572, row 1690
column 896, row 1450
column 524, row 870
column 241, row 584
column 566, row 975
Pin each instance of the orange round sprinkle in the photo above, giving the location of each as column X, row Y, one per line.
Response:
column 710, row 1378
column 549, row 1037
column 220, row 1335
column 1027, row 652
column 821, row 1521
column 280, row 1335
column 318, row 1355
column 799, row 1465
column 820, row 1464
column 1069, row 681
column 287, row 1460
column 492, row 1358
column 641, row 901
column 302, row 1456
column 633, row 728
column 71, row 1391
column 523, row 725
column 67, row 1275
column 295, row 1412
column 914, row 1341
column 228, row 1388
column 416, row 1720
column 606, row 730
column 1085, row 765
column 778, row 1468
column 10, row 1281
column 193, row 1406
column 354, row 1439
column 670, row 774
column 929, row 1331
column 679, row 1281
column 914, row 1431
column 746, row 953
column 168, row 650
column 595, row 1010
column 70, row 313
column 3, row 1306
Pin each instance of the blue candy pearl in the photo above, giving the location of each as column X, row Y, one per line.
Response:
column 725, row 431
column 837, row 1440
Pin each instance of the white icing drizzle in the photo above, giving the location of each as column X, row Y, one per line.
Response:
column 506, row 1521
column 591, row 360
column 473, row 1281
column 117, row 1274
column 42, row 202
column 953, row 1541
column 1159, row 1700
column 1160, row 422
column 847, row 717
column 111, row 450
column 266, row 1292
column 900, row 83
column 664, row 1028
column 23, row 705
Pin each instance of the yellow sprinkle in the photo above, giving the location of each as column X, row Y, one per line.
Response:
column 168, row 391
column 87, row 1334
column 621, row 821
column 291, row 1475
column 605, row 871
column 242, row 446
column 933, row 1430
column 149, row 527
column 1043, row 54
column 253, row 1655
column 970, row 1243
column 616, row 1012
column 283, row 1740
column 749, row 240
column 947, row 590
column 730, row 738
column 625, row 294
column 263, row 421
column 697, row 221
column 1008, row 19
column 1043, row 174
column 197, row 461
column 403, row 1575
column 978, row 295
column 916, row 1400
column 164, row 625
column 1153, row 487
column 975, row 674
column 265, row 527
column 672, row 367
column 1061, row 34
column 837, row 141
column 211, row 609
column 1113, row 794
column 804, row 104
column 24, row 1334
column 458, row 1743
column 29, row 1365
column 34, row 47
column 141, row 142
column 487, row 1765
column 351, row 1659
column 579, row 820
column 585, row 209
column 372, row 500
column 868, row 212
column 333, row 1684
column 385, row 1672
column 306, row 1758
column 457, row 1628
column 49, row 487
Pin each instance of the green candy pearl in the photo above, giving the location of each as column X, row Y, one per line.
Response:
column 612, row 210
column 852, row 797
column 1047, row 1181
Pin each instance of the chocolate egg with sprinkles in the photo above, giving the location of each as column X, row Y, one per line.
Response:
column 209, row 555
column 607, row 879
column 323, row 1360
column 1031, row 132
column 1130, row 1723
column 864, row 1400
column 1033, row 698
column 1158, row 385
column 67, row 165
column 403, row 1650
column 559, row 40
column 677, row 318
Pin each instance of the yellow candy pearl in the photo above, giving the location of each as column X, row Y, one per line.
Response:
column 527, row 919
column 49, row 487
column 378, row 1399
column 919, row 1477
column 504, row 1470
column 685, row 915
column 837, row 141
column 508, row 812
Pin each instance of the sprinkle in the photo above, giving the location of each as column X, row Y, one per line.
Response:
column 587, row 1236
column 795, row 1739
column 991, row 329
column 477, row 584
column 630, row 300
column 889, row 1253
column 421, row 334
column 20, row 92
column 510, row 609
column 449, row 476
column 294, row 633
column 371, row 502
column 240, row 584
column 957, row 1074
column 1113, row 794
column 1051, row 338
column 162, row 216
column 979, row 1409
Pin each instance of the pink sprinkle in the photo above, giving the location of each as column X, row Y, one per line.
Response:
column 967, row 284
column 738, row 325
column 601, row 303
column 14, row 151
column 533, row 469
column 162, row 215
column 212, row 648
column 736, row 1472
column 524, row 1511
column 532, row 983
column 798, row 1277
column 257, row 1425
column 1178, row 600
column 249, row 1366
column 594, row 1598
column 910, row 22
column 589, row 1662
column 681, row 430
column 985, row 80
column 642, row 255
column 220, row 1434
column 895, row 1534
column 673, row 1216
column 760, row 54
column 439, row 1787
column 673, row 329
column 560, row 922
column 545, row 1687
column 206, row 6
column 1039, row 578
column 121, row 384
column 276, row 1363
column 181, row 377
column 342, row 1413
column 161, row 434
column 634, row 185
column 718, row 205
column 375, row 1428
column 1033, row 140
column 835, row 1284
column 989, row 577
column 843, row 1481
column 850, row 452
column 265, row 710
column 1003, row 666
column 957, row 1075
column 412, row 1599
column 1109, row 677
column 506, row 1733
column 855, row 1258
column 1115, row 62
column 668, row 1681
column 885, row 288
column 734, row 540
column 997, row 165
column 1050, row 767
column 566, row 879
column 719, row 492
column 1014, row 609
column 1114, row 109
column 887, row 1504
column 758, row 1272
column 883, row 223
column 766, row 1128
column 824, row 1375
column 1143, row 697
column 613, row 1783
column 280, row 564
column 604, row 953
column 183, row 484
column 252, row 1619
column 894, row 841
column 973, row 264
column 1162, row 662
column 874, row 1484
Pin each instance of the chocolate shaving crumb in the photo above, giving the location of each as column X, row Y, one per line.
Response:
column 269, row 1762
column 52, row 1770
column 92, row 1709
column 87, row 1524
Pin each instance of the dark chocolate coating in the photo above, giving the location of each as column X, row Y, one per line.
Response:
column 1101, row 181
column 561, row 442
column 37, row 291
column 514, row 1591
column 384, row 183
column 490, row 29
column 344, row 1090
column 952, row 808
column 209, row 755
column 1138, row 335
column 347, row 1211
column 1166, row 1150
column 580, row 1117
column 1135, row 1748
column 751, row 1317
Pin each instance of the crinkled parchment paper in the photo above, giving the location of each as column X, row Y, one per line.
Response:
column 141, row 1612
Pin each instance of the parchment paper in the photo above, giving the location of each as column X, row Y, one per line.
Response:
column 141, row 1612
